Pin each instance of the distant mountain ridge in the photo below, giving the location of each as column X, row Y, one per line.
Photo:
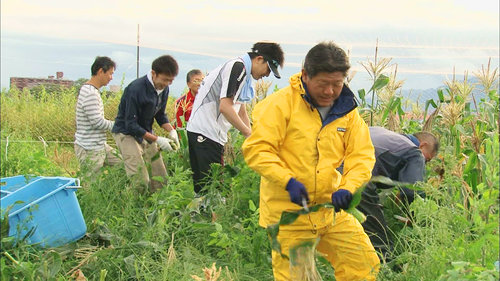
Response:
column 46, row 56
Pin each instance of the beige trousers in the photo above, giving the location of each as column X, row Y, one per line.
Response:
column 91, row 161
column 138, row 157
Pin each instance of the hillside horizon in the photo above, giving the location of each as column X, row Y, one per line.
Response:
column 39, row 57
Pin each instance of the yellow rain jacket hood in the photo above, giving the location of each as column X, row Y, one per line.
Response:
column 289, row 139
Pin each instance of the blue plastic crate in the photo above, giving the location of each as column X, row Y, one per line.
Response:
column 49, row 206
column 11, row 184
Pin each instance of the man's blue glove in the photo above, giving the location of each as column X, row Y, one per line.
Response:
column 341, row 199
column 297, row 191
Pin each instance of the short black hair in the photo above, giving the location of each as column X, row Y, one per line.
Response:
column 326, row 57
column 269, row 50
column 165, row 64
column 102, row 62
column 192, row 73
column 430, row 138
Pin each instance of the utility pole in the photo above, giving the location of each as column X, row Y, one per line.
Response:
column 137, row 50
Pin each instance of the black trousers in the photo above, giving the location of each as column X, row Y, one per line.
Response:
column 375, row 225
column 404, row 166
column 203, row 152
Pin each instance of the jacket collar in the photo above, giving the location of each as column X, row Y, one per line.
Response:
column 151, row 88
column 413, row 139
column 344, row 104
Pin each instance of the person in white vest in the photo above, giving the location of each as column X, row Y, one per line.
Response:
column 219, row 105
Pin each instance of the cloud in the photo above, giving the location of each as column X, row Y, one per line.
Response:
column 452, row 32
column 127, row 59
column 205, row 27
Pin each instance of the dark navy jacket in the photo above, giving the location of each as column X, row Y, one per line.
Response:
column 345, row 103
column 139, row 106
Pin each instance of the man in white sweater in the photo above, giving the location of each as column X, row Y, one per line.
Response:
column 91, row 148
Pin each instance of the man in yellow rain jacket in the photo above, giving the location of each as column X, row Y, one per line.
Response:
column 300, row 135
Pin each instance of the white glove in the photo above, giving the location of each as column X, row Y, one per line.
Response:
column 173, row 136
column 164, row 144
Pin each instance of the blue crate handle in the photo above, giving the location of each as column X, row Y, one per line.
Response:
column 76, row 186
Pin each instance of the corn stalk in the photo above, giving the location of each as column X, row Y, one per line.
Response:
column 375, row 69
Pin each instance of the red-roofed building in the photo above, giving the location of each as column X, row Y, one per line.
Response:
column 28, row 82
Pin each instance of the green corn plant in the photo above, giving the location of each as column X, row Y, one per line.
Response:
column 392, row 110
column 456, row 107
column 378, row 84
column 436, row 104
column 391, row 102
column 375, row 69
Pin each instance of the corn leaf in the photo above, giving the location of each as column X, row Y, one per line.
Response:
column 381, row 81
column 288, row 217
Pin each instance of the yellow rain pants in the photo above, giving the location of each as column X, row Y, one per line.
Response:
column 344, row 244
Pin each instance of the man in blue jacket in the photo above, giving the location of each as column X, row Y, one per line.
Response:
column 401, row 158
column 143, row 101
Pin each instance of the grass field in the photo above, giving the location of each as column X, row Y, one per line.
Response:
column 165, row 235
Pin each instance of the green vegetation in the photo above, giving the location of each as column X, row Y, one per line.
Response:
column 168, row 235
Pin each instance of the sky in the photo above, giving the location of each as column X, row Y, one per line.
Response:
column 427, row 39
